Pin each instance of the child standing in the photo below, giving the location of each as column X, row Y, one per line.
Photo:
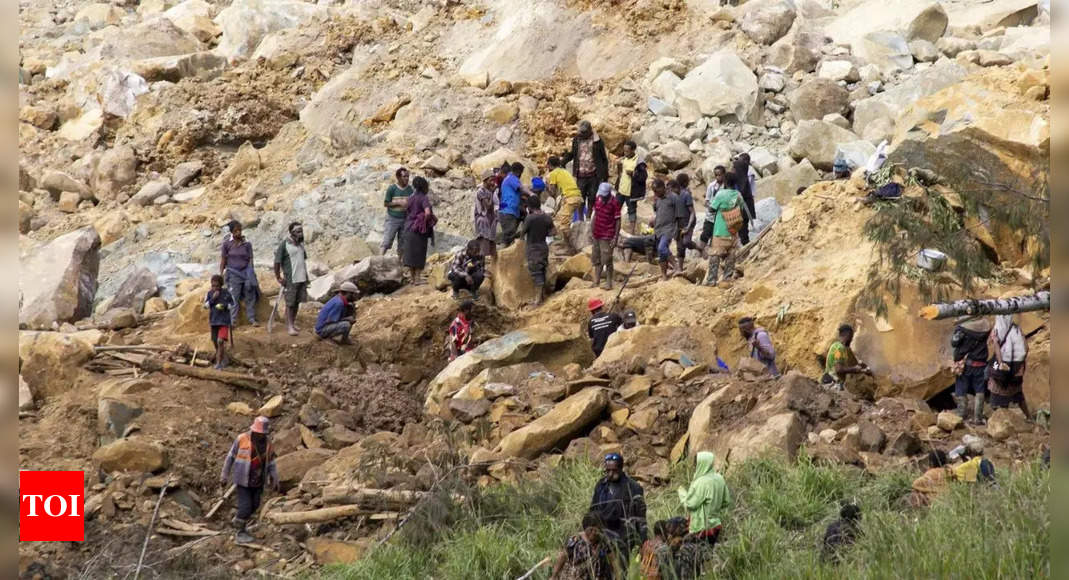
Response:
column 220, row 303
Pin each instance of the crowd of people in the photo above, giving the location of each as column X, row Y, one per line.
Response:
column 988, row 359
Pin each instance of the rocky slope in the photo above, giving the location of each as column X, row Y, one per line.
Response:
column 147, row 126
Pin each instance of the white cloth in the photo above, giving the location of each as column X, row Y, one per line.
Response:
column 1010, row 339
column 298, row 265
column 876, row 161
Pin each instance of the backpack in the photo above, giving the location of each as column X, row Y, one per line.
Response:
column 733, row 219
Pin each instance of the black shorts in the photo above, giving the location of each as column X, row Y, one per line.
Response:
column 632, row 206
column 296, row 293
column 707, row 231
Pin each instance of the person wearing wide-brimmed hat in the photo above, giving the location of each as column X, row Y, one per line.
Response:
column 250, row 466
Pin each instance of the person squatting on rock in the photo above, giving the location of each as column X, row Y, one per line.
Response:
column 396, row 202
column 484, row 215
column 621, row 504
column 605, row 226
column 841, row 533
column 467, row 270
column 725, row 207
column 841, row 361
column 590, row 162
column 250, row 465
column 1007, row 370
column 760, row 343
column 419, row 229
column 338, row 314
column 664, row 224
column 291, row 271
column 586, row 555
column 537, row 227
column 562, row 186
column 220, row 304
column 969, row 342
column 459, row 337
column 631, row 176
column 601, row 326
column 239, row 275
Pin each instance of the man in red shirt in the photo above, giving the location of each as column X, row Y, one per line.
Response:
column 606, row 230
column 460, row 331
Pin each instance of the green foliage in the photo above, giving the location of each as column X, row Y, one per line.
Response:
column 774, row 529
column 901, row 229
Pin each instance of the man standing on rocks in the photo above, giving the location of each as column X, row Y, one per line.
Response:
column 485, row 215
column 236, row 267
column 338, row 314
column 590, row 162
column 746, row 182
column 687, row 218
column 631, row 182
column 664, row 223
column 511, row 208
column 601, row 326
column 842, row 362
column 291, row 271
column 250, row 465
column 396, row 202
column 537, row 226
column 621, row 504
column 562, row 186
column 969, row 342
column 760, row 343
column 605, row 227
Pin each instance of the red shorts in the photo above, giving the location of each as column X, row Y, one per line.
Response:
column 220, row 333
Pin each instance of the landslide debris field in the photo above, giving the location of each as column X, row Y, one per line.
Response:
column 145, row 127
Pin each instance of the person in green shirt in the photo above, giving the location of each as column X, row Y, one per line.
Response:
column 722, row 248
column 841, row 361
column 396, row 201
column 707, row 498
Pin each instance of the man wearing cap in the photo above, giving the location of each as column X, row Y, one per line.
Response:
column 621, row 503
column 250, row 465
column 236, row 268
column 630, row 320
column 969, row 342
column 602, row 324
column 467, row 270
column 605, row 228
column 338, row 314
column 590, row 162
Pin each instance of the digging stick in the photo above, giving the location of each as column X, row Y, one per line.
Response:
column 148, row 532
column 535, row 568
column 622, row 286
column 218, row 504
column 274, row 311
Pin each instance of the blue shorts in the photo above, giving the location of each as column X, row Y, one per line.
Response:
column 971, row 379
column 663, row 253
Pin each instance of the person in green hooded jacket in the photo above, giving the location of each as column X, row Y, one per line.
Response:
column 706, row 500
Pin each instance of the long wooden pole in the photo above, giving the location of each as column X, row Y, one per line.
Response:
column 148, row 532
column 973, row 307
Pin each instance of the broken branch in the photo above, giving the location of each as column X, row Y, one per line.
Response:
column 320, row 515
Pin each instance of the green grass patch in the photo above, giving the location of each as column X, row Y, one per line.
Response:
column 774, row 530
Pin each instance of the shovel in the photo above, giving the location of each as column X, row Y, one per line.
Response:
column 274, row 311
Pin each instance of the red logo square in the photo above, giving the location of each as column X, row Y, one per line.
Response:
column 51, row 506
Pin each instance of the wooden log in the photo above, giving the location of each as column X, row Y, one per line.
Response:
column 218, row 504
column 187, row 533
column 131, row 348
column 236, row 379
column 973, row 307
column 371, row 497
column 320, row 515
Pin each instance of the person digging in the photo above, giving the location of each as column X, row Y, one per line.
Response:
column 338, row 314
column 250, row 466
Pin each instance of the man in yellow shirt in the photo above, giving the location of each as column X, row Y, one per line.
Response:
column 562, row 186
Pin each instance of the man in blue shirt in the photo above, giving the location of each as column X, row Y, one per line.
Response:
column 337, row 315
column 510, row 214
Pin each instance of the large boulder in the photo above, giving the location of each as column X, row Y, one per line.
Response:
column 650, row 345
column 293, row 466
column 887, row 50
column 194, row 17
column 891, row 103
column 57, row 182
column 817, row 98
column 555, row 429
column 245, row 23
column 371, row 275
column 134, row 455
column 817, row 141
column 499, row 156
column 766, row 21
column 511, row 281
column 116, row 169
column 149, row 39
column 553, row 346
column 138, row 287
column 721, row 86
column 994, row 14
column 672, row 155
column 768, row 428
column 925, row 19
column 784, row 185
column 51, row 360
column 799, row 51
column 58, row 280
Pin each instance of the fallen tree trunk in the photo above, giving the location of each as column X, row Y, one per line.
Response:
column 237, row 379
column 320, row 515
column 371, row 497
column 972, row 307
